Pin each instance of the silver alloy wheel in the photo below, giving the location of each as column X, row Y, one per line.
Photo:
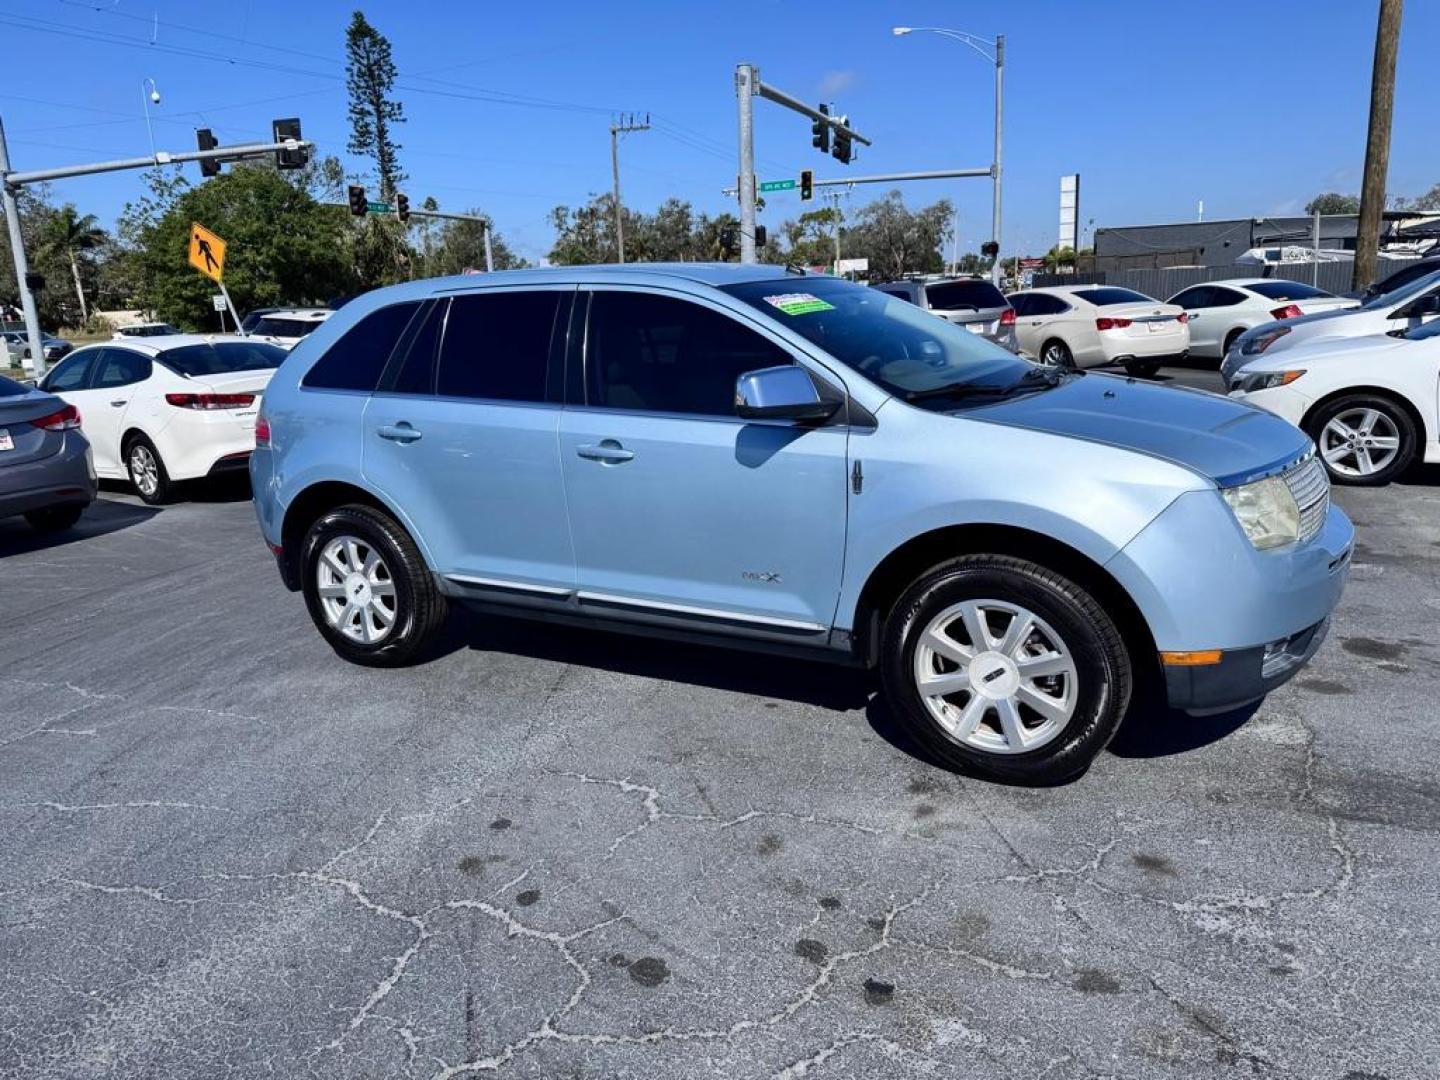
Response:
column 357, row 593
column 1053, row 354
column 1359, row 442
column 144, row 469
column 996, row 677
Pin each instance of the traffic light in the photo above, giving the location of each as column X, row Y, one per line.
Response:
column 842, row 150
column 820, row 132
column 289, row 129
column 205, row 140
column 760, row 236
column 402, row 207
column 807, row 185
column 990, row 249
column 357, row 201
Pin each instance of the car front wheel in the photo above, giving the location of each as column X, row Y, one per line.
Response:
column 1364, row 439
column 1001, row 667
column 368, row 589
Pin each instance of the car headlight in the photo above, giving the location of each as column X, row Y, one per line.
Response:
column 1254, row 346
column 1249, row 382
column 1266, row 511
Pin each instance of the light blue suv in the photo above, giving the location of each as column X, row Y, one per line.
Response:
column 755, row 456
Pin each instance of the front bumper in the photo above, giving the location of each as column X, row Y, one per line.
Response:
column 1242, row 675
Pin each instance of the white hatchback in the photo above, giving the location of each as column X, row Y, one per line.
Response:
column 1089, row 325
column 163, row 409
column 1220, row 311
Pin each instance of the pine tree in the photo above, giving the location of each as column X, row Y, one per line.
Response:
column 369, row 78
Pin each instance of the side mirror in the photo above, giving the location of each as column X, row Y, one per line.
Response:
column 780, row 393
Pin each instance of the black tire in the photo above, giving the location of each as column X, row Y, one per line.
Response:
column 1057, row 354
column 1103, row 671
column 1142, row 369
column 419, row 608
column 1229, row 343
column 156, row 491
column 54, row 518
column 1399, row 419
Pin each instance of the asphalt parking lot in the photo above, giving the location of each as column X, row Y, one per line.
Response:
column 557, row 854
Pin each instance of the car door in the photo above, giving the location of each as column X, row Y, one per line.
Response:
column 1025, row 337
column 70, row 380
column 117, row 376
column 462, row 435
column 679, row 508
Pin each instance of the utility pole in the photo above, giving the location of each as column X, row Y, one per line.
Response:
column 623, row 126
column 1377, row 143
column 996, row 270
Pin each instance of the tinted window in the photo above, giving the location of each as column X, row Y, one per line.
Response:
column 1198, row 297
column 962, row 295
column 417, row 373
column 73, row 372
column 1286, row 290
column 895, row 345
column 149, row 330
column 1223, row 297
column 222, row 357
column 121, row 367
column 1104, row 297
column 269, row 327
column 357, row 359
column 902, row 291
column 497, row 346
column 1403, row 292
column 1047, row 304
column 1021, row 303
column 661, row 354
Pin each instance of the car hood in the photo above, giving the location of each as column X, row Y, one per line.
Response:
column 1323, row 348
column 1227, row 441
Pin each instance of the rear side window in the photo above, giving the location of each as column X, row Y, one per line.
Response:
column 1107, row 296
column 497, row 346
column 1286, row 290
column 963, row 295
column 900, row 292
column 121, row 367
column 73, row 372
column 357, row 359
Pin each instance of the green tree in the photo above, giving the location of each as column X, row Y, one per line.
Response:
column 1332, row 202
column 898, row 240
column 461, row 247
column 282, row 246
column 369, row 79
column 74, row 236
column 809, row 241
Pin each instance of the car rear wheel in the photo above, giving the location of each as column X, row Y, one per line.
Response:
column 1057, row 354
column 1364, row 439
column 1001, row 667
column 368, row 589
column 1230, row 340
column 147, row 471
column 54, row 518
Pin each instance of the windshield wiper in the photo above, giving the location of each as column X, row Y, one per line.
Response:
column 1035, row 378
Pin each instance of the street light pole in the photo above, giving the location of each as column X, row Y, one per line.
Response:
column 996, row 55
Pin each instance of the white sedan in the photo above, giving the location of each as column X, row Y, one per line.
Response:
column 1220, row 311
column 158, row 410
column 1089, row 325
column 1372, row 403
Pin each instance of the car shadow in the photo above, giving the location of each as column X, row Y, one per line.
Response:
column 1420, row 476
column 1152, row 730
column 102, row 517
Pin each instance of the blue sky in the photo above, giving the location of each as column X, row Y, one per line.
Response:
column 1252, row 107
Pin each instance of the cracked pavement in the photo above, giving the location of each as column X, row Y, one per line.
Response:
column 551, row 853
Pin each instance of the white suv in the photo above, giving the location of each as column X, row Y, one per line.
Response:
column 286, row 327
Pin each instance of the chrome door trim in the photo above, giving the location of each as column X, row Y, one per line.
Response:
column 512, row 586
column 664, row 607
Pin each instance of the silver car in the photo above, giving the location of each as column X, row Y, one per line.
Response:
column 46, row 472
column 973, row 303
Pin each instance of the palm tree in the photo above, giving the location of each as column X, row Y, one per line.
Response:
column 72, row 234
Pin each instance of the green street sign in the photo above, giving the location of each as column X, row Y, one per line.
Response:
column 777, row 185
column 379, row 207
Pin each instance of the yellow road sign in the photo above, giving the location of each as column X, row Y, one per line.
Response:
column 207, row 252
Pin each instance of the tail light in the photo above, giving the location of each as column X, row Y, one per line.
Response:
column 67, row 419
column 1107, row 323
column 1183, row 317
column 1289, row 311
column 210, row 401
column 1007, row 317
column 262, row 431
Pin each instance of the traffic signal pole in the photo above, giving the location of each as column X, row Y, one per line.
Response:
column 12, row 182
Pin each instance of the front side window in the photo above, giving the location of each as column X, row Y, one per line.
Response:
column 72, row 374
column 662, row 354
column 121, row 367
column 899, row 347
column 497, row 345
column 356, row 361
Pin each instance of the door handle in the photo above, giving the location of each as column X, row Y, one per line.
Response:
column 401, row 432
column 607, row 452
column 117, row 404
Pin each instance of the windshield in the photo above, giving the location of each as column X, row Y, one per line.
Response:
column 1403, row 293
column 894, row 344
column 268, row 327
column 222, row 357
column 149, row 330
column 1286, row 290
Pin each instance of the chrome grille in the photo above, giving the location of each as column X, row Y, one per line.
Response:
column 1310, row 486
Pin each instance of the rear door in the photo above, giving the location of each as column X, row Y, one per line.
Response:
column 679, row 508
column 462, row 435
column 117, row 376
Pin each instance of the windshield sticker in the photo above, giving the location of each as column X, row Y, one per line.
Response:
column 798, row 303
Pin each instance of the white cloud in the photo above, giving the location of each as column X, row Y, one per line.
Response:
column 836, row 82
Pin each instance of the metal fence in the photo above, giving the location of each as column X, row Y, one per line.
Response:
column 1166, row 282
